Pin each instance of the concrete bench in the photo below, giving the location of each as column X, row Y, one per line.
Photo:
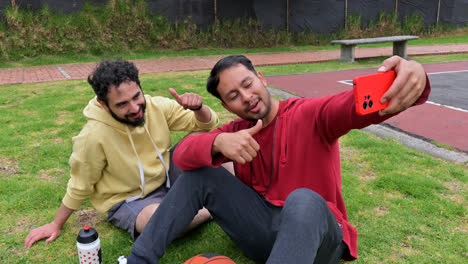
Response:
column 400, row 44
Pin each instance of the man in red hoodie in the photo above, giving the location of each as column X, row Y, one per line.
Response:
column 285, row 203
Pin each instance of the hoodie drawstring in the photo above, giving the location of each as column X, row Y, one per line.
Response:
column 140, row 166
column 168, row 181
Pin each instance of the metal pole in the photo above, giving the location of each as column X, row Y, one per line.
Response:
column 346, row 15
column 396, row 7
column 287, row 16
column 438, row 12
column 215, row 2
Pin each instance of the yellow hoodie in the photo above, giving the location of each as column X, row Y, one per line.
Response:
column 104, row 165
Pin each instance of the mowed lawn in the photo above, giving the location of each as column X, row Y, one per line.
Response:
column 407, row 206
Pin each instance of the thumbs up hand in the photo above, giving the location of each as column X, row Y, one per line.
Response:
column 239, row 146
column 190, row 101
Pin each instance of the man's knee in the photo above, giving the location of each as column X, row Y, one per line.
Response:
column 306, row 196
column 229, row 166
column 305, row 204
column 144, row 216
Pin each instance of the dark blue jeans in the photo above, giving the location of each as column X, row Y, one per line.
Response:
column 302, row 231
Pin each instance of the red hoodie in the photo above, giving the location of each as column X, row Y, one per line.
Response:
column 303, row 140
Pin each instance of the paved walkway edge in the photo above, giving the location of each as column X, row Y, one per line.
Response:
column 418, row 144
column 407, row 140
column 75, row 71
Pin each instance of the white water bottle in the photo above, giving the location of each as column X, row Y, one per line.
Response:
column 89, row 246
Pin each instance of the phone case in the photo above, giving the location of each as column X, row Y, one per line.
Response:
column 369, row 89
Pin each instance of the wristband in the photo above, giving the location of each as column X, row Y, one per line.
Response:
column 196, row 109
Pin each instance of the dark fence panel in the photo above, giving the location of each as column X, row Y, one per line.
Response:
column 454, row 12
column 320, row 16
column 271, row 13
column 235, row 9
column 316, row 16
column 370, row 9
column 428, row 10
column 3, row 5
column 200, row 12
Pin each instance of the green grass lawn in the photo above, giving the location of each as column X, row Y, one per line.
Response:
column 407, row 206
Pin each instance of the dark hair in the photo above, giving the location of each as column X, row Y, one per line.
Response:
column 109, row 73
column 223, row 64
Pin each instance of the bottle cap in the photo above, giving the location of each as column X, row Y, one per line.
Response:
column 87, row 235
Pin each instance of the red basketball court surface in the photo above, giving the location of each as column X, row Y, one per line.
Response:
column 444, row 118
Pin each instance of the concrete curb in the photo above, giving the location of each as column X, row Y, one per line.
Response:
column 405, row 139
column 418, row 144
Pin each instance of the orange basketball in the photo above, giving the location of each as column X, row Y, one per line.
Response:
column 210, row 258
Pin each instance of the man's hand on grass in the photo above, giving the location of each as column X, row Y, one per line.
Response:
column 50, row 231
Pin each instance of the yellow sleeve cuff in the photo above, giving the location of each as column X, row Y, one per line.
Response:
column 71, row 203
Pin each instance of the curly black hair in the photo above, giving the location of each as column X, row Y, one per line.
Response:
column 112, row 73
column 223, row 64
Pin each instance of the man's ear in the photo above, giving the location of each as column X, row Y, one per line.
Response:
column 262, row 78
column 103, row 104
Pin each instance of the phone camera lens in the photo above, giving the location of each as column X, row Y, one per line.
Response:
column 364, row 105
column 370, row 104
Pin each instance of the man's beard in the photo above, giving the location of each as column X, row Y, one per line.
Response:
column 267, row 109
column 137, row 122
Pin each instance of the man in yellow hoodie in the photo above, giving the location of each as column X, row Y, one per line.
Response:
column 122, row 158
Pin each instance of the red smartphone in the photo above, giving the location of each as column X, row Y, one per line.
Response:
column 369, row 89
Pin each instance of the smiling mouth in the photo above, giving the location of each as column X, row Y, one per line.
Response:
column 253, row 106
column 137, row 115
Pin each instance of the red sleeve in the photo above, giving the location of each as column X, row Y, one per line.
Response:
column 336, row 114
column 425, row 95
column 194, row 152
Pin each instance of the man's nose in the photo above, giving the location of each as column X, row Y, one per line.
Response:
column 134, row 107
column 246, row 96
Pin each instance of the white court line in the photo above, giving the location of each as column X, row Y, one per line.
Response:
column 64, row 72
column 350, row 82
column 448, row 106
column 446, row 72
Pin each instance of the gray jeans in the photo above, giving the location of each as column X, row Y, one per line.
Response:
column 302, row 231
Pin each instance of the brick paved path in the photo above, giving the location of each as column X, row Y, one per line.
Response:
column 82, row 70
